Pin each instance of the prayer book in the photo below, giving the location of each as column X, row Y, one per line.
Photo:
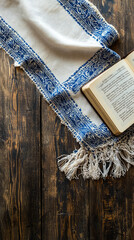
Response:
column 112, row 94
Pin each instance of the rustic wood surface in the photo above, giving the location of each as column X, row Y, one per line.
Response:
column 36, row 200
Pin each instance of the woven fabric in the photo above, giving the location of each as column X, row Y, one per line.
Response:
column 62, row 44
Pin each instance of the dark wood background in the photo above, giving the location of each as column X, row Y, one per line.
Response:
column 36, row 200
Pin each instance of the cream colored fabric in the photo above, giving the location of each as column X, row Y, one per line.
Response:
column 64, row 47
column 52, row 33
column 55, row 36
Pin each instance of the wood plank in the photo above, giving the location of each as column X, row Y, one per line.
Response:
column 79, row 209
column 31, row 137
column 61, row 199
column 20, row 209
column 111, row 200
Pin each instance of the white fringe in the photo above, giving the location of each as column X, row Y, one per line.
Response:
column 113, row 160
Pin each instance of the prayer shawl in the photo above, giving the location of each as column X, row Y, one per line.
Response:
column 62, row 44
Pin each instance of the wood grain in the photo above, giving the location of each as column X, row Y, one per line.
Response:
column 36, row 200
column 20, row 215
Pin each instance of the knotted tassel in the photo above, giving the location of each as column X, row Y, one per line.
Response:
column 113, row 160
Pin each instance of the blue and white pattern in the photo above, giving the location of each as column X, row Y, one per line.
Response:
column 102, row 60
column 57, row 94
column 89, row 18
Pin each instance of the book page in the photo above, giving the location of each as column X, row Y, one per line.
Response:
column 130, row 60
column 115, row 92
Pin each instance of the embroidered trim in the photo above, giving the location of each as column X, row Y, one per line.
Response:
column 83, row 129
column 102, row 60
column 90, row 19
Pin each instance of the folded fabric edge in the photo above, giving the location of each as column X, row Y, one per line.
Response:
column 25, row 57
column 117, row 35
column 109, row 159
column 89, row 153
column 84, row 9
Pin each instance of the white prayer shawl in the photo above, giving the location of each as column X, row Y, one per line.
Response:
column 62, row 44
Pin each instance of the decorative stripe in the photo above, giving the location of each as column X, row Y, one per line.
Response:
column 102, row 60
column 55, row 93
column 90, row 19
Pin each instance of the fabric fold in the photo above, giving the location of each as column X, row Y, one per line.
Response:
column 61, row 45
column 52, row 37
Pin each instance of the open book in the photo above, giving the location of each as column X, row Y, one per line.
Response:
column 112, row 95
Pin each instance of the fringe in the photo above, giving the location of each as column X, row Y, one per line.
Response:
column 113, row 160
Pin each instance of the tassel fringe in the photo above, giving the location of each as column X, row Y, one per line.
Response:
column 113, row 160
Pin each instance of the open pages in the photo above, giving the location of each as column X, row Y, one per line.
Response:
column 112, row 94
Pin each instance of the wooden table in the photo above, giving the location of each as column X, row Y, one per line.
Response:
column 36, row 200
